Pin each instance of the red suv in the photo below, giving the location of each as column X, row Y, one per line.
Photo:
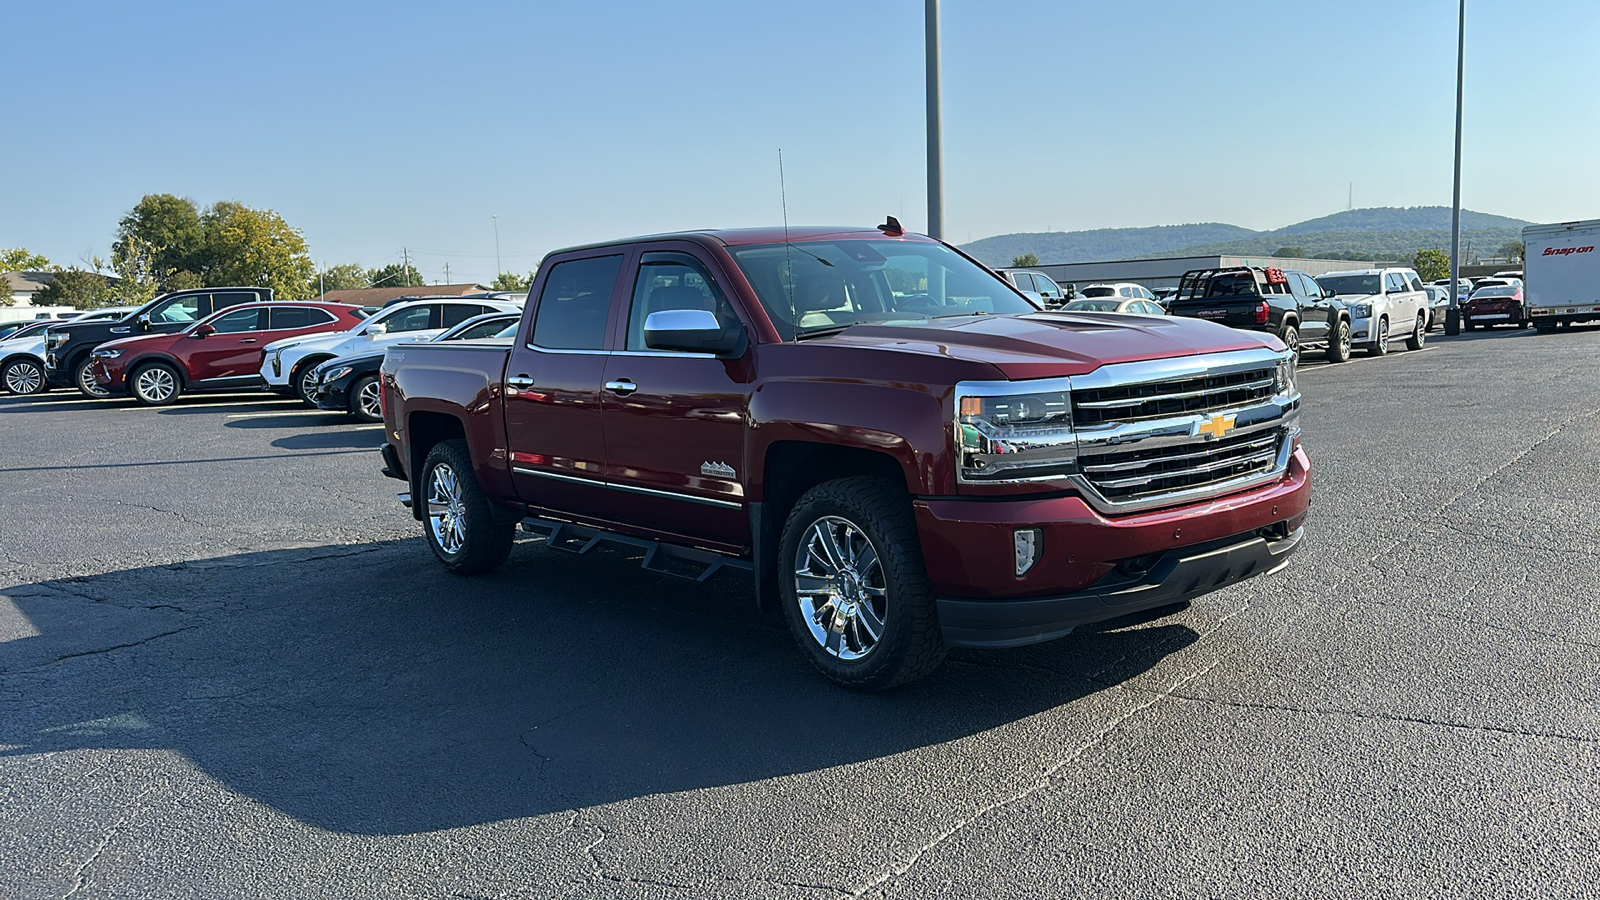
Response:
column 220, row 352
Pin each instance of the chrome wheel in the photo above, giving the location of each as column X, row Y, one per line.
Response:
column 155, row 384
column 445, row 509
column 839, row 584
column 24, row 377
column 87, row 384
column 370, row 400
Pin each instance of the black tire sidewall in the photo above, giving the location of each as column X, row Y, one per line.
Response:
column 297, row 381
column 79, row 371
column 911, row 645
column 1338, row 347
column 356, row 388
column 133, row 381
column 487, row 543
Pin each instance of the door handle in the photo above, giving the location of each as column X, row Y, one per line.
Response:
column 622, row 387
column 247, row 340
column 519, row 382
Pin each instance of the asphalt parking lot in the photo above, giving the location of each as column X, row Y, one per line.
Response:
column 230, row 667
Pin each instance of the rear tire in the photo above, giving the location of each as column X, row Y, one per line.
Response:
column 24, row 377
column 1339, row 343
column 155, row 384
column 365, row 400
column 1419, row 333
column 854, row 588
column 1290, row 336
column 457, row 519
column 1380, row 343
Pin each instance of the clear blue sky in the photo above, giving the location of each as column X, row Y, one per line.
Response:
column 373, row 127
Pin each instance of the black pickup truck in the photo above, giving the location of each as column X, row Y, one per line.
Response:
column 1285, row 302
column 70, row 347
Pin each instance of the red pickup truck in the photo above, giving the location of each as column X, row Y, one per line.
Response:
column 905, row 452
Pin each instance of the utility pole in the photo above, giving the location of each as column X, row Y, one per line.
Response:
column 498, row 269
column 405, row 262
column 446, row 273
column 1452, row 318
column 935, row 141
column 322, row 286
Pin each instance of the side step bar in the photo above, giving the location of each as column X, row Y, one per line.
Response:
column 666, row 559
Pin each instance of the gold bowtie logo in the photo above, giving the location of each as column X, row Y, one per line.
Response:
column 1217, row 427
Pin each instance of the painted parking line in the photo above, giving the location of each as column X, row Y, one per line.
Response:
column 1393, row 354
column 291, row 412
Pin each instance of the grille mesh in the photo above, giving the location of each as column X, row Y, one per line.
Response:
column 1141, row 474
column 1155, row 400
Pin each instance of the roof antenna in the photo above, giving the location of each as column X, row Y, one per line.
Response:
column 788, row 266
column 891, row 227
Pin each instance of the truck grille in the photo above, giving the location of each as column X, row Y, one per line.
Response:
column 1162, row 399
column 1141, row 474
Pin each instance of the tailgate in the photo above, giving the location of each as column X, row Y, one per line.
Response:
column 1237, row 312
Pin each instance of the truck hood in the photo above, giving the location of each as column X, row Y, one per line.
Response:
column 1053, row 344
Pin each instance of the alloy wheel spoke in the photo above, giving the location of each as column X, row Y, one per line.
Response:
column 807, row 583
column 869, row 620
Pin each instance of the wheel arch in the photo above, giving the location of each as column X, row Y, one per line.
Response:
column 426, row 429
column 139, row 362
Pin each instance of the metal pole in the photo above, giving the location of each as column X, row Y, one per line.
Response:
column 935, row 166
column 1452, row 319
column 498, row 269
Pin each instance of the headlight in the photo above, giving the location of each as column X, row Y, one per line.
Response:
column 111, row 353
column 56, row 340
column 335, row 374
column 1003, row 435
column 1361, row 311
column 1283, row 383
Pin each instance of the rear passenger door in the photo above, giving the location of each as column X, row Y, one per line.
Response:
column 552, row 386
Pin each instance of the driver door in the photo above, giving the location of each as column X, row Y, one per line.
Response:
column 234, row 350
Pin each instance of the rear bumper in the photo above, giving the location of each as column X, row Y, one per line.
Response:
column 1178, row 575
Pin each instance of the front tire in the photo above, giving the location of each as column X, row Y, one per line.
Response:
column 1339, row 343
column 366, row 401
column 23, row 377
column 303, row 381
column 1419, row 333
column 854, row 588
column 457, row 519
column 1380, row 345
column 84, row 379
column 155, row 384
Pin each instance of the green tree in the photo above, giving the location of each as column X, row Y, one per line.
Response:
column 395, row 275
column 245, row 246
column 76, row 288
column 1290, row 252
column 348, row 277
column 1025, row 260
column 1513, row 250
column 1432, row 265
column 20, row 259
column 511, row 281
column 161, row 236
column 6, row 297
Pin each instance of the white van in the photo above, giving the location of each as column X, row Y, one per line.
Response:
column 1561, row 273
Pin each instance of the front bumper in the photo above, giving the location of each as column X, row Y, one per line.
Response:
column 969, row 550
column 113, row 380
column 335, row 395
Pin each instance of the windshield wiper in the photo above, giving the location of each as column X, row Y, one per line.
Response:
column 821, row 331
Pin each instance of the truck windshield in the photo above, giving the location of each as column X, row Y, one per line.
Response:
column 816, row 287
column 1351, row 285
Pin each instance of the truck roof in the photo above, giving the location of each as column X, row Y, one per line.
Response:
column 734, row 237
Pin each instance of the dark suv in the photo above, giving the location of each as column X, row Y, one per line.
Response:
column 1285, row 302
column 69, row 347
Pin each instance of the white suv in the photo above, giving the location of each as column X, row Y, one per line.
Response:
column 287, row 365
column 1121, row 290
column 1384, row 304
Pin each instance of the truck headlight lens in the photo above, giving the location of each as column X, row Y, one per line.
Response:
column 111, row 353
column 1283, row 383
column 1361, row 311
column 1015, row 436
column 55, row 340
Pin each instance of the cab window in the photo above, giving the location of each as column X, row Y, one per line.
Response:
column 672, row 281
column 575, row 304
column 182, row 310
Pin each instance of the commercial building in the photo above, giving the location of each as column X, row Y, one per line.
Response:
column 1157, row 274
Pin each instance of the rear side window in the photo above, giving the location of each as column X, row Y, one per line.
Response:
column 283, row 318
column 1023, row 281
column 575, row 304
column 456, row 313
column 232, row 298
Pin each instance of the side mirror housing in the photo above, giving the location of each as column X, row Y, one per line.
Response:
column 376, row 329
column 204, row 331
column 144, row 323
column 692, row 331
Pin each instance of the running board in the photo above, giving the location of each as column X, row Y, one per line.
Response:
column 666, row 559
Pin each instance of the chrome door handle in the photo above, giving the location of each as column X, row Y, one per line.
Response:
column 247, row 340
column 622, row 388
column 519, row 382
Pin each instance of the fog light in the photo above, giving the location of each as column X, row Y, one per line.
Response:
column 1027, row 543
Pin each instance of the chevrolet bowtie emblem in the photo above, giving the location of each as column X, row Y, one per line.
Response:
column 1217, row 427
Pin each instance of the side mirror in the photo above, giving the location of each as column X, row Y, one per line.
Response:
column 692, row 331
column 204, row 331
column 376, row 329
column 144, row 323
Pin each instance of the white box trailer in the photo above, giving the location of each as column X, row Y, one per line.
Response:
column 1561, row 273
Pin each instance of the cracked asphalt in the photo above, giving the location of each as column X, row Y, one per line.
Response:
column 229, row 667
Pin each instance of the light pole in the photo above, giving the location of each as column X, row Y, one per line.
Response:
column 935, row 166
column 497, row 269
column 1452, row 318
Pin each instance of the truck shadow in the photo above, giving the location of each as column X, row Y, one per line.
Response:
column 360, row 689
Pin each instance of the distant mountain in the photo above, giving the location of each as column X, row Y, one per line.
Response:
column 1101, row 244
column 1379, row 233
